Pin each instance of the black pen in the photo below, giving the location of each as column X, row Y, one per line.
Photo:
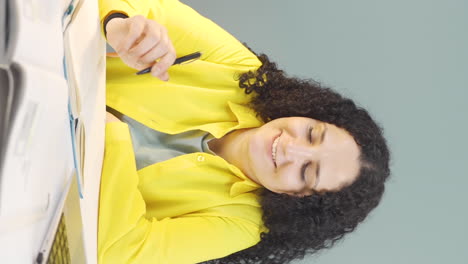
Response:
column 180, row 60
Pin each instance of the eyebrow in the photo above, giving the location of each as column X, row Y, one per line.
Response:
column 322, row 138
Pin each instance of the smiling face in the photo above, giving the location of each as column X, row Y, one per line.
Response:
column 300, row 156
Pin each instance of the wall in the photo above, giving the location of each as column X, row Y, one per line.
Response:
column 407, row 62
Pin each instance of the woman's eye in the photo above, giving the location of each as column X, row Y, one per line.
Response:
column 303, row 169
column 310, row 134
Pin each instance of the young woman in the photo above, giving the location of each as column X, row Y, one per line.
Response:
column 225, row 159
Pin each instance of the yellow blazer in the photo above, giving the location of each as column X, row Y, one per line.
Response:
column 194, row 207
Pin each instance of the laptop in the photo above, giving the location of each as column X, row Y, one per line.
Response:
column 64, row 242
column 7, row 37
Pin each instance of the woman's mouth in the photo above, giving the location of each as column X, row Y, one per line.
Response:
column 273, row 149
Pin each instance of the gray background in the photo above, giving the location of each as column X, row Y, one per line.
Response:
column 407, row 62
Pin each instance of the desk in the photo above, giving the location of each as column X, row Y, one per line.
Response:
column 36, row 170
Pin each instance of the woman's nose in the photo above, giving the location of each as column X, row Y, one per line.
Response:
column 295, row 150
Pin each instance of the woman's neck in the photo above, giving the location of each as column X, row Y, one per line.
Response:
column 226, row 145
column 232, row 146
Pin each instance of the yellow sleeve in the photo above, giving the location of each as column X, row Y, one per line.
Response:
column 128, row 7
column 127, row 236
column 188, row 30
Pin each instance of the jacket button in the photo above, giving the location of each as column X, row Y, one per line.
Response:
column 200, row 158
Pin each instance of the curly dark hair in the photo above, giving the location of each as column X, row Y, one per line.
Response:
column 300, row 226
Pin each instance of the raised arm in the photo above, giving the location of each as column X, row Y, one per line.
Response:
column 186, row 29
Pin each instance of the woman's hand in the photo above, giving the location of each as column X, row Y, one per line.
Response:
column 111, row 118
column 140, row 42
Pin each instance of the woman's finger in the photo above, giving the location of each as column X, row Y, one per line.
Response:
column 153, row 55
column 159, row 70
column 145, row 46
column 136, row 28
column 164, row 76
column 158, row 51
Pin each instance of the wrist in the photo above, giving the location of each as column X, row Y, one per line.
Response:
column 114, row 17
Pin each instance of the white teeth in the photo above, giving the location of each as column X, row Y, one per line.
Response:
column 273, row 149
